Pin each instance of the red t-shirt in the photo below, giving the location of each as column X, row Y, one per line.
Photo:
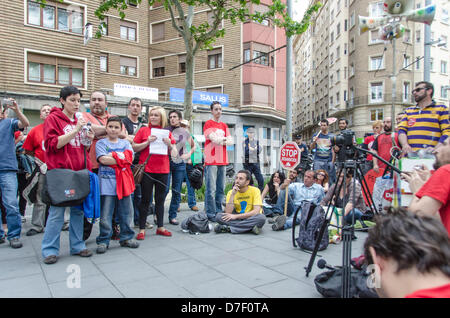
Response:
column 35, row 142
column 215, row 155
column 437, row 292
column 383, row 145
column 438, row 188
column 369, row 141
column 156, row 163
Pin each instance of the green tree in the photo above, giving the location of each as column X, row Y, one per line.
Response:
column 200, row 37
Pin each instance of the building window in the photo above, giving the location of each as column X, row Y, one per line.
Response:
column 444, row 16
column 128, row 66
column 104, row 63
column 54, row 70
column 260, row 53
column 406, row 62
column 158, row 67
column 418, row 36
column 56, row 16
column 338, row 29
column 352, row 19
column 182, row 64
column 376, row 9
column 407, row 36
column 444, row 91
column 443, row 67
column 374, row 37
column 376, row 63
column 158, row 30
column 417, row 64
column 258, row 94
column 444, row 40
column 352, row 69
column 104, row 27
column 376, row 114
column 376, row 92
column 215, row 58
column 406, row 91
column 128, row 30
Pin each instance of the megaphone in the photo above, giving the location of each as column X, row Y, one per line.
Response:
column 398, row 7
column 425, row 15
column 367, row 23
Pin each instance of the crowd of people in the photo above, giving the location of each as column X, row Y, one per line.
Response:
column 110, row 147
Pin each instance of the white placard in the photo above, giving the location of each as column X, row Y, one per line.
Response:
column 408, row 165
column 158, row 146
column 135, row 91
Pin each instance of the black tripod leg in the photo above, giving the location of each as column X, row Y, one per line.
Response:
column 324, row 224
column 366, row 191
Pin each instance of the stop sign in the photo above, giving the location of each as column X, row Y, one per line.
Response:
column 290, row 155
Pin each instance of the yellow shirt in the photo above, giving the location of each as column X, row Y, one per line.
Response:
column 245, row 202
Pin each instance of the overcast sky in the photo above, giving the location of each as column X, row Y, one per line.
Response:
column 299, row 8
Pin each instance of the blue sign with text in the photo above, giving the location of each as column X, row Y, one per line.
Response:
column 198, row 97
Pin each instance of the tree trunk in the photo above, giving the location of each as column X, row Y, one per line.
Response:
column 189, row 84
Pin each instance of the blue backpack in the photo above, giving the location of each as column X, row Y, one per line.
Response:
column 311, row 220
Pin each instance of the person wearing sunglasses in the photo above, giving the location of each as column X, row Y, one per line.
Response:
column 425, row 125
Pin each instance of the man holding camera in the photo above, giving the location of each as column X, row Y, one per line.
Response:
column 8, row 170
column 324, row 157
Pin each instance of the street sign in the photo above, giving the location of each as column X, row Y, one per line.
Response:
column 290, row 155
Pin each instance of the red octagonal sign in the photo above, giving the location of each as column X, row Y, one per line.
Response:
column 290, row 155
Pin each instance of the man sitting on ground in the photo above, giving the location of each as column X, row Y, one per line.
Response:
column 309, row 190
column 411, row 256
column 243, row 211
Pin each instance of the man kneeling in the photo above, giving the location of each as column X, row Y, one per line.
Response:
column 243, row 212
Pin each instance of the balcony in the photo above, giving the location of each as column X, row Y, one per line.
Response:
column 387, row 99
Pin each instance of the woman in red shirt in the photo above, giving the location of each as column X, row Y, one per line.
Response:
column 156, row 171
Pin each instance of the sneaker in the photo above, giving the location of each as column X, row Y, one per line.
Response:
column 129, row 243
column 15, row 243
column 32, row 232
column 273, row 219
column 279, row 223
column 256, row 230
column 221, row 228
column 148, row 225
column 140, row 236
column 85, row 253
column 101, row 248
column 52, row 259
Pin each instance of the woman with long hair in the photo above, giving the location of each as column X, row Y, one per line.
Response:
column 322, row 179
column 272, row 188
column 156, row 170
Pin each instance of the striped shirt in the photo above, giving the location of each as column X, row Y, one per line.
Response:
column 426, row 127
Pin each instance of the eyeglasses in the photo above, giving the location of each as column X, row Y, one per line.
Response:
column 321, row 174
column 416, row 90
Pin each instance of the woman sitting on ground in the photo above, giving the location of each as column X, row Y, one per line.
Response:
column 273, row 189
column 322, row 179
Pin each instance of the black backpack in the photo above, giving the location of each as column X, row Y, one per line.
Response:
column 196, row 223
column 311, row 220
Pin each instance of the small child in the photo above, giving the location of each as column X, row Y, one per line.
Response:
column 115, row 156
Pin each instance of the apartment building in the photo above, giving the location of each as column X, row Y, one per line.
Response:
column 360, row 66
column 44, row 50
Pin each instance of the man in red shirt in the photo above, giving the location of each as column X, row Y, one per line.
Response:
column 432, row 192
column 409, row 255
column 217, row 137
column 383, row 144
column 368, row 143
column 34, row 146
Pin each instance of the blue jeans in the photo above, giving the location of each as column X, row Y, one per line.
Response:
column 136, row 198
column 328, row 166
column 256, row 170
column 214, row 192
column 349, row 217
column 279, row 207
column 124, row 213
column 8, row 187
column 177, row 173
column 55, row 222
column 190, row 190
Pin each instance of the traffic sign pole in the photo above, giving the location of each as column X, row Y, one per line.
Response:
column 289, row 158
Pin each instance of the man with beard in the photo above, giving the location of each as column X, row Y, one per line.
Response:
column 432, row 191
column 426, row 124
column 383, row 144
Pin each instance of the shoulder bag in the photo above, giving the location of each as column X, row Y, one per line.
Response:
column 138, row 171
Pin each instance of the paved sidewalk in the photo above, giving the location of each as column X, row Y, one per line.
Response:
column 184, row 265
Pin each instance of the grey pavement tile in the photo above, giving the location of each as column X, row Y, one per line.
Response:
column 33, row 286
column 186, row 244
column 127, row 270
column 223, row 288
column 114, row 254
column 7, row 252
column 19, row 267
column 64, row 267
column 229, row 242
column 96, row 286
column 211, row 256
column 159, row 255
column 296, row 271
column 195, row 279
column 288, row 288
column 181, row 268
column 264, row 257
column 155, row 287
column 249, row 273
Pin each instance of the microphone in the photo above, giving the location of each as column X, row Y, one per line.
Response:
column 321, row 263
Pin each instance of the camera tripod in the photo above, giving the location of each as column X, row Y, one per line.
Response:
column 347, row 230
